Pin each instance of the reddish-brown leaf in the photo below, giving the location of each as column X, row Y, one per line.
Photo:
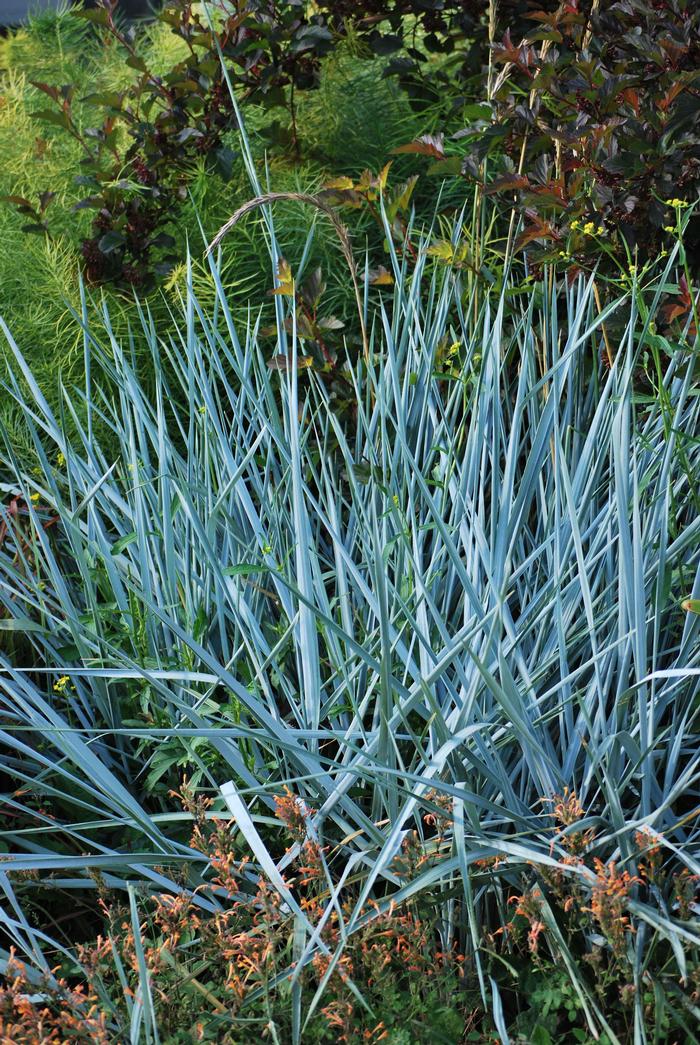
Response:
column 537, row 229
column 665, row 103
column 426, row 145
column 284, row 363
column 53, row 92
column 507, row 183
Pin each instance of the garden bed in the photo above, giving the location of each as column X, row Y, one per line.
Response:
column 350, row 537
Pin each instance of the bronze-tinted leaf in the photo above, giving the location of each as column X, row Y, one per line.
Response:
column 427, row 145
column 507, row 183
column 537, row 230
column 401, row 197
column 284, row 363
column 340, row 183
column 368, row 180
column 285, row 279
column 18, row 201
column 53, row 92
column 45, row 198
column 341, row 197
column 380, row 277
column 313, row 288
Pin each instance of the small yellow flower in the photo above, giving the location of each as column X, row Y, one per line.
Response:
column 663, row 253
column 395, row 500
column 202, row 409
column 670, row 228
column 60, row 459
column 675, row 202
column 601, row 230
column 60, row 685
column 589, row 228
column 575, row 224
column 35, row 497
column 267, row 549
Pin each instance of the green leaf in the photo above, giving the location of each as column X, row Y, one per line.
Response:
column 54, row 116
column 123, row 542
column 23, row 624
column 446, row 168
column 107, row 99
column 246, row 569
column 478, row 111
column 134, row 61
column 540, row 1036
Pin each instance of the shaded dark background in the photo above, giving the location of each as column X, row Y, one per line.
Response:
column 13, row 12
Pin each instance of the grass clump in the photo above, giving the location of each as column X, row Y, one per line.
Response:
column 465, row 607
column 348, row 611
